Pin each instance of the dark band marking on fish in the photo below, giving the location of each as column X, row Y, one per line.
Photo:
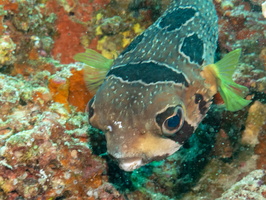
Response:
column 198, row 98
column 193, row 52
column 183, row 134
column 178, row 18
column 203, row 107
column 148, row 73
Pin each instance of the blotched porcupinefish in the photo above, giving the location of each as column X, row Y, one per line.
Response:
column 154, row 95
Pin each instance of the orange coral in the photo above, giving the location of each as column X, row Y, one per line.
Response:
column 78, row 93
column 67, row 42
column 33, row 54
column 59, row 88
column 1, row 25
column 22, row 68
column 9, row 5
column 70, row 91
column 41, row 97
column 28, row 68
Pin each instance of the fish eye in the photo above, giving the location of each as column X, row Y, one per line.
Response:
column 174, row 122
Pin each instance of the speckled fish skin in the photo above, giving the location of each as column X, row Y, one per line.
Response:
column 158, row 72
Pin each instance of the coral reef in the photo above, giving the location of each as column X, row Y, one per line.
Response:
column 46, row 161
column 255, row 123
column 7, row 51
column 251, row 187
column 44, row 151
column 47, row 148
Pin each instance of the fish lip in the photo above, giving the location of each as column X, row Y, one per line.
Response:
column 130, row 164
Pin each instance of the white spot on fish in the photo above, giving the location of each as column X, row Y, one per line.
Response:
column 119, row 123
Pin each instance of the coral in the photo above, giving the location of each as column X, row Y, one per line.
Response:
column 79, row 95
column 30, row 29
column 254, row 124
column 59, row 88
column 252, row 186
column 257, row 2
column 260, row 150
column 241, row 26
column 67, row 170
column 9, row 96
column 69, row 33
column 223, row 147
column 262, row 57
column 68, row 87
column 7, row 48
column 71, row 26
column 111, row 26
column 44, row 151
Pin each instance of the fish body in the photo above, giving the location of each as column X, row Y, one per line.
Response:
column 157, row 91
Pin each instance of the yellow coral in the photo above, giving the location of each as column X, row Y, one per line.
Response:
column 98, row 31
column 99, row 16
column 7, row 47
column 137, row 28
column 106, row 52
column 126, row 39
column 256, row 119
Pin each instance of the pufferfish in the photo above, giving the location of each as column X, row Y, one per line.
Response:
column 151, row 98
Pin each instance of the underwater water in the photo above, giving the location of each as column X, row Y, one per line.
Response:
column 48, row 150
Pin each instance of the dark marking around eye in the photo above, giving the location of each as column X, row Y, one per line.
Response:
column 193, row 48
column 183, row 134
column 177, row 18
column 148, row 73
column 133, row 44
column 160, row 118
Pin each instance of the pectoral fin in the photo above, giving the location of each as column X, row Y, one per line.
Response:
column 96, row 68
column 220, row 74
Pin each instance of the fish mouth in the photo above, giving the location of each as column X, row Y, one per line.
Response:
column 130, row 164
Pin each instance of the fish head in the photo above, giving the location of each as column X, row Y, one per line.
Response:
column 142, row 123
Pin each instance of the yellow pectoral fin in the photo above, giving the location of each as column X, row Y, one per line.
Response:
column 232, row 93
column 96, row 68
